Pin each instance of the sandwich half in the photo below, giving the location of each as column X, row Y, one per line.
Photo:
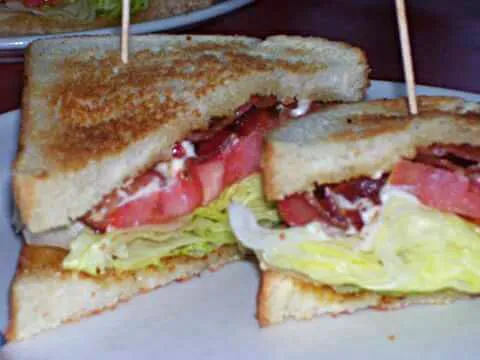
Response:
column 29, row 17
column 124, row 172
column 379, row 209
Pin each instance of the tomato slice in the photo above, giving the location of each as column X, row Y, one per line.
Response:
column 148, row 200
column 438, row 188
column 210, row 173
column 243, row 158
column 296, row 210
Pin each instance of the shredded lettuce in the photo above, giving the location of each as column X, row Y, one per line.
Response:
column 410, row 249
column 203, row 232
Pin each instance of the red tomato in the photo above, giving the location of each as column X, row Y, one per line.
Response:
column 150, row 201
column 242, row 158
column 438, row 188
column 210, row 173
column 98, row 218
column 295, row 210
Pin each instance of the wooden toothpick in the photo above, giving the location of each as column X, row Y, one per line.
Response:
column 406, row 56
column 125, row 29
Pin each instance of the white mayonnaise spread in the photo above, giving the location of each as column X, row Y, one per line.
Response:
column 301, row 109
column 170, row 169
column 366, row 208
column 153, row 186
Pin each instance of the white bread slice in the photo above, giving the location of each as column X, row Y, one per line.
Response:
column 283, row 296
column 44, row 296
column 89, row 119
column 16, row 24
column 350, row 140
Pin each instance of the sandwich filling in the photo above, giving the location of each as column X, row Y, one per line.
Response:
column 179, row 207
column 79, row 10
column 413, row 230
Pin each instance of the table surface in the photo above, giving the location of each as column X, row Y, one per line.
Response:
column 445, row 38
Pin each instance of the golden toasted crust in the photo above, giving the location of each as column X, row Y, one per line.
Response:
column 269, row 279
column 16, row 24
column 342, row 142
column 88, row 118
column 92, row 126
column 282, row 296
column 42, row 265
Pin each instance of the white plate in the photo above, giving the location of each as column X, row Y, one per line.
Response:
column 213, row 316
column 181, row 21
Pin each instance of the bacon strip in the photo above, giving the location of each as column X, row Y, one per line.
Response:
column 353, row 190
column 464, row 151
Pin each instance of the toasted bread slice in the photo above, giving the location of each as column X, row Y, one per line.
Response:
column 16, row 24
column 89, row 119
column 283, row 296
column 45, row 296
column 351, row 140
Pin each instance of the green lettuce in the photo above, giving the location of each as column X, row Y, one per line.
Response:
column 410, row 249
column 113, row 8
column 201, row 233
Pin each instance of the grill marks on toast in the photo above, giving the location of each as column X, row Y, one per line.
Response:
column 103, row 105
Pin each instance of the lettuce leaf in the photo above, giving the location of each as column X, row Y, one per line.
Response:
column 202, row 233
column 410, row 249
column 113, row 8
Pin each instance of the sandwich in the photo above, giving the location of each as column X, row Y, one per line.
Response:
column 379, row 209
column 124, row 172
column 28, row 17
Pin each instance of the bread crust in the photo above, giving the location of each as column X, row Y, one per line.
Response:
column 31, row 308
column 90, row 119
column 17, row 24
column 284, row 296
column 342, row 142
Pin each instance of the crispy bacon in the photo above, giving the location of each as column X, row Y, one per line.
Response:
column 333, row 214
column 361, row 187
column 451, row 157
column 463, row 151
column 323, row 200
column 352, row 190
